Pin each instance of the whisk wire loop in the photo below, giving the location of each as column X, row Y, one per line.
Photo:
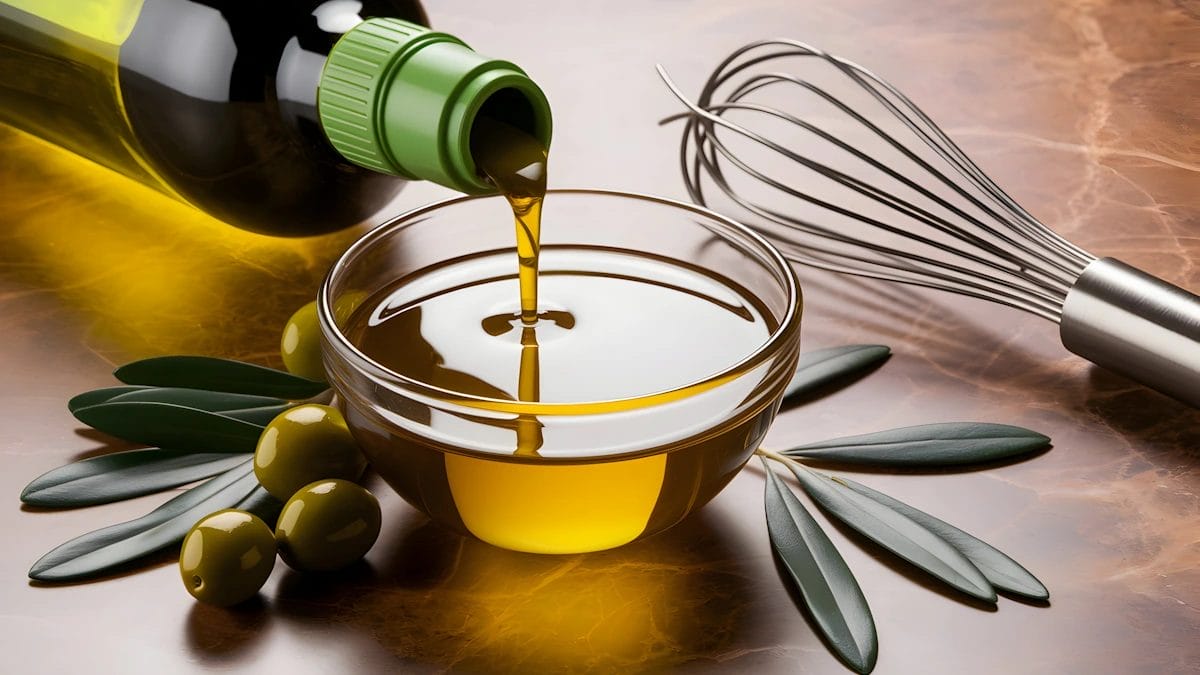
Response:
column 944, row 272
column 964, row 234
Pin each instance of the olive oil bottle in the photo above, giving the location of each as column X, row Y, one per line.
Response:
column 289, row 118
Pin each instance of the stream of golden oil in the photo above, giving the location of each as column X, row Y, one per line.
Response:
column 516, row 163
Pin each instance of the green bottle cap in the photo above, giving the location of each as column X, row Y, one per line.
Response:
column 400, row 98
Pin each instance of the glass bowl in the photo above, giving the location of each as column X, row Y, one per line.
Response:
column 610, row 471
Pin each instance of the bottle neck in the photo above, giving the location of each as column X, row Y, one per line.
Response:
column 399, row 98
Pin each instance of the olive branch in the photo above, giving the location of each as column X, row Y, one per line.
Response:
column 830, row 592
column 203, row 416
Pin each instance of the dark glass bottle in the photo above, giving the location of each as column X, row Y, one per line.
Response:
column 215, row 102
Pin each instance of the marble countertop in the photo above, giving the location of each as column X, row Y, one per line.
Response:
column 1085, row 111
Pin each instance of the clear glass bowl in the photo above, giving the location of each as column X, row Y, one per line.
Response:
column 621, row 470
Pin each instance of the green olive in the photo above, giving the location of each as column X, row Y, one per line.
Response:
column 327, row 525
column 301, row 344
column 304, row 444
column 227, row 557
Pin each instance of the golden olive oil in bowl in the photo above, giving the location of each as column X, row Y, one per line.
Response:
column 663, row 338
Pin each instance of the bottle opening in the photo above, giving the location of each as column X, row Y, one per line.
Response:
column 493, row 140
column 512, row 107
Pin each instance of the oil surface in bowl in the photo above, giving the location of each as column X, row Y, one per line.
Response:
column 580, row 474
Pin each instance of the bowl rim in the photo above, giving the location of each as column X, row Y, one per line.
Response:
column 788, row 326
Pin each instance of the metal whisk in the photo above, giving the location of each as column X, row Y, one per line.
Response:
column 843, row 172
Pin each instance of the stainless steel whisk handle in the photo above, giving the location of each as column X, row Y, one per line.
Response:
column 1135, row 324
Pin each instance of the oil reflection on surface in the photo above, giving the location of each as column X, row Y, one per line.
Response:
column 145, row 274
column 434, row 599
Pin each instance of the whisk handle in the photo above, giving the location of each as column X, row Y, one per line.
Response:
column 1135, row 324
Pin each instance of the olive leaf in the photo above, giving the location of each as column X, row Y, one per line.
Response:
column 97, row 396
column 262, row 504
column 1002, row 571
column 928, row 445
column 106, row 549
column 896, row 532
column 123, row 475
column 260, row 416
column 817, row 368
column 200, row 399
column 204, row 372
column 818, row 571
column 172, row 426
